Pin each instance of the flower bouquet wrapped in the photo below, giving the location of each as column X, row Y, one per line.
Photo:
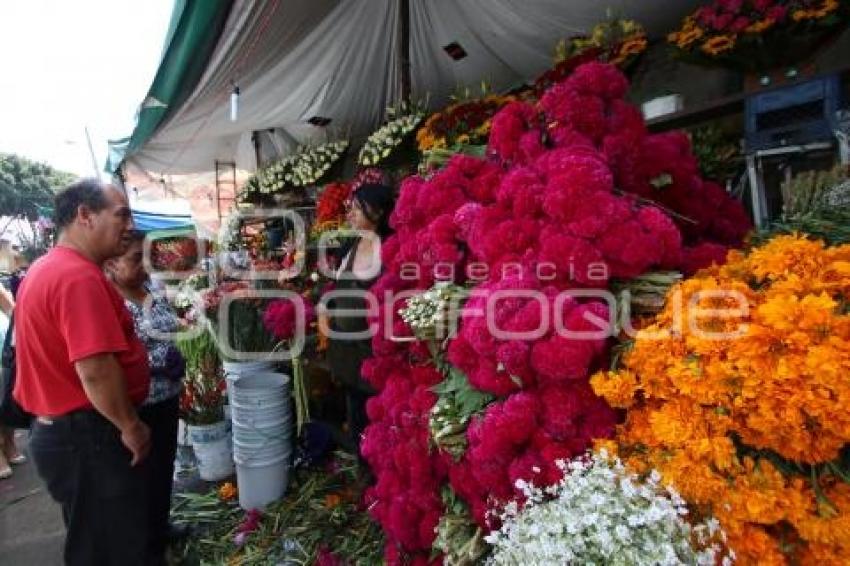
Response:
column 202, row 399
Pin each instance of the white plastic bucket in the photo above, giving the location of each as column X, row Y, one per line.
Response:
column 257, row 445
column 262, row 483
column 258, row 384
column 247, row 439
column 277, row 403
column 259, row 457
column 199, row 434
column 265, row 422
column 212, row 447
column 256, row 457
column 183, row 434
column 234, row 371
column 259, row 391
column 261, row 417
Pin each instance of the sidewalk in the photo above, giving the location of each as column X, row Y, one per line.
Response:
column 31, row 530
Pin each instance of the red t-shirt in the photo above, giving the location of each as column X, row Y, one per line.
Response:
column 68, row 311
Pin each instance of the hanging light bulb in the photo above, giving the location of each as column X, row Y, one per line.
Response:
column 234, row 103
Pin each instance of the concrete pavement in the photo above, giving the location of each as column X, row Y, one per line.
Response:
column 31, row 530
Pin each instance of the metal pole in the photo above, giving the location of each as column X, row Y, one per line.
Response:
column 404, row 50
column 93, row 158
column 755, row 189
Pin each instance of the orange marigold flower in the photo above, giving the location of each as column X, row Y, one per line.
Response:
column 332, row 500
column 719, row 44
column 227, row 492
column 704, row 412
column 686, row 38
column 618, row 388
column 760, row 26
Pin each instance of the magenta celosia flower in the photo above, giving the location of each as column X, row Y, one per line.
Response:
column 559, row 189
column 599, row 79
column 285, row 318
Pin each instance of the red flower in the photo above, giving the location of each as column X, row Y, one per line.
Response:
column 331, row 205
column 777, row 13
column 701, row 256
column 282, row 317
column 599, row 79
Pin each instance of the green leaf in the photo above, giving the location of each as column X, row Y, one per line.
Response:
column 662, row 181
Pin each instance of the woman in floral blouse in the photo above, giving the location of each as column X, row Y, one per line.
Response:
column 155, row 321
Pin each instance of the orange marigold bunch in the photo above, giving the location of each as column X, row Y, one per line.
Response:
column 722, row 26
column 463, row 122
column 739, row 394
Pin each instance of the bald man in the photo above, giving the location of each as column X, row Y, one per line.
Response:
column 83, row 372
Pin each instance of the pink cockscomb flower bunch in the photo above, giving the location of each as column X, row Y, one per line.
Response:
column 283, row 317
column 574, row 192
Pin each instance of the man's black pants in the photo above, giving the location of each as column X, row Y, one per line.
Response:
column 162, row 419
column 87, row 471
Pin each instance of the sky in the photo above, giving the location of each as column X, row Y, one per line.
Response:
column 68, row 65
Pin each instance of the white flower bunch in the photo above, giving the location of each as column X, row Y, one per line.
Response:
column 382, row 142
column 434, row 312
column 600, row 513
column 184, row 299
column 304, row 167
column 228, row 236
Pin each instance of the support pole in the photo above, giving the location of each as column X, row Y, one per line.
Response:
column 404, row 50
column 93, row 158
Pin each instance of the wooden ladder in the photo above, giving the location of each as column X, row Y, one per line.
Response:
column 225, row 177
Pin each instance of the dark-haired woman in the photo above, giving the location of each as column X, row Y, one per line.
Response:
column 153, row 324
column 368, row 212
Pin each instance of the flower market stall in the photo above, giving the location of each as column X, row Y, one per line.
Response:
column 595, row 337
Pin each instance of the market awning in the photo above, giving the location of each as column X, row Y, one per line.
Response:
column 193, row 33
column 299, row 60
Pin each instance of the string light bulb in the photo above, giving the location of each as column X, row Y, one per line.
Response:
column 234, row 103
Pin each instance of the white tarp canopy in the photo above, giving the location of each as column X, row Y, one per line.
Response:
column 339, row 59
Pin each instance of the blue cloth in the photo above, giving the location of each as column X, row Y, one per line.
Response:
column 148, row 221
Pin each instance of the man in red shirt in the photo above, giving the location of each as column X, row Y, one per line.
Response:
column 82, row 371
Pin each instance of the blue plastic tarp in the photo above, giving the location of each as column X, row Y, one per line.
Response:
column 149, row 221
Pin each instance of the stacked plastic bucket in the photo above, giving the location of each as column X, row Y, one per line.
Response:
column 261, row 411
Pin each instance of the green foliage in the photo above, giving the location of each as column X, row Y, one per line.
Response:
column 321, row 510
column 26, row 185
column 457, row 403
column 716, row 151
column 816, row 203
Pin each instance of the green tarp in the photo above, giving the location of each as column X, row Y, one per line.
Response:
column 192, row 36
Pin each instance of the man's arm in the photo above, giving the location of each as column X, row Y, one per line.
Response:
column 104, row 384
